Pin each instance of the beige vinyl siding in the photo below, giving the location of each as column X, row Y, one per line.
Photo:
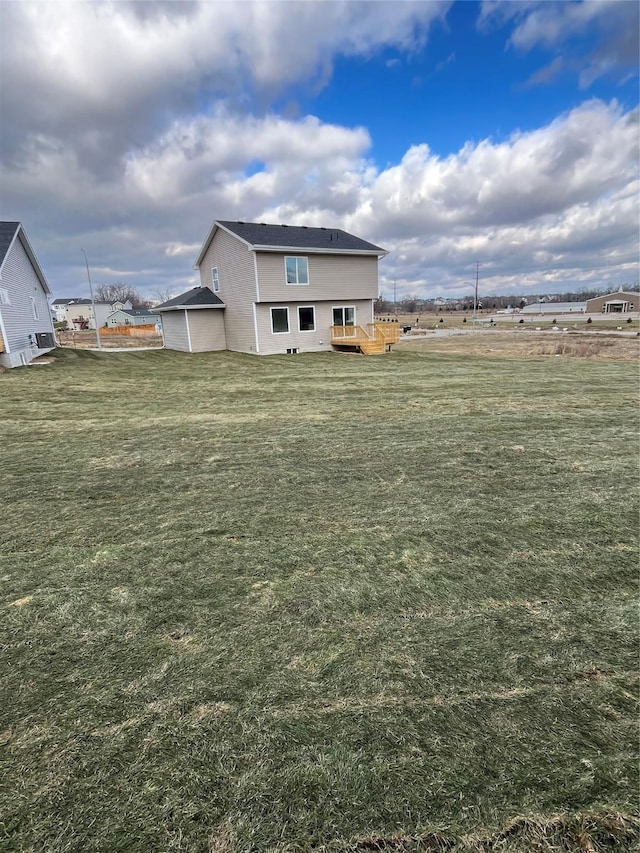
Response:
column 206, row 327
column 85, row 311
column 19, row 279
column 330, row 277
column 174, row 330
column 237, row 288
column 316, row 341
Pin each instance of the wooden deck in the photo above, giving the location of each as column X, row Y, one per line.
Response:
column 370, row 339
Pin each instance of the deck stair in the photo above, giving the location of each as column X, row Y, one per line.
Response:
column 369, row 339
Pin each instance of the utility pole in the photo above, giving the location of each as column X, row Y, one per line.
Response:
column 395, row 304
column 475, row 296
column 93, row 304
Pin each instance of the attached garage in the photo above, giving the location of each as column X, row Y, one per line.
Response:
column 193, row 321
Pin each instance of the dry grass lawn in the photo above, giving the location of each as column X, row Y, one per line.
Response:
column 524, row 343
column 319, row 603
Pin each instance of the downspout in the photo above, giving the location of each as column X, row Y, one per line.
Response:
column 255, row 310
column 186, row 320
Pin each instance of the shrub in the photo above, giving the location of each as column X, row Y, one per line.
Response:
column 589, row 320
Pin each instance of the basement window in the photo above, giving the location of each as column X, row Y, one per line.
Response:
column 292, row 350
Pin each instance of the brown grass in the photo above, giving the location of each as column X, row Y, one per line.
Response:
column 579, row 833
column 87, row 340
column 522, row 343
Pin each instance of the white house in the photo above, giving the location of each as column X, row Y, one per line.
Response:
column 26, row 324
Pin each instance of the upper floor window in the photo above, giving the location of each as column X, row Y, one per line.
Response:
column 4, row 296
column 297, row 270
column 214, row 279
column 34, row 308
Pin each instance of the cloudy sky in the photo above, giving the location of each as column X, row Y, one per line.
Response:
column 446, row 132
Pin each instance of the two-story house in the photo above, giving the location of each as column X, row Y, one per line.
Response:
column 26, row 325
column 268, row 289
column 78, row 312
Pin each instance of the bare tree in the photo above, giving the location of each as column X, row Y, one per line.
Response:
column 163, row 294
column 121, row 292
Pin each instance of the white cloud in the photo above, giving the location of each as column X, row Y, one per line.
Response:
column 612, row 24
column 541, row 206
column 114, row 151
column 112, row 74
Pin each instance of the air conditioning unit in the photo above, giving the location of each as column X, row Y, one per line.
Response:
column 45, row 340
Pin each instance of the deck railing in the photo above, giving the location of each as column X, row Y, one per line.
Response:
column 369, row 339
column 391, row 332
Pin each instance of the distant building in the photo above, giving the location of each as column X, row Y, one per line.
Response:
column 554, row 308
column 621, row 302
column 132, row 317
column 78, row 313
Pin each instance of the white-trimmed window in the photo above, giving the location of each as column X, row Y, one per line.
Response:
column 215, row 279
column 344, row 315
column 279, row 321
column 4, row 296
column 306, row 318
column 34, row 308
column 296, row 270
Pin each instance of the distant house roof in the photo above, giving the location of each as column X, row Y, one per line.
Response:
column 197, row 297
column 135, row 312
column 9, row 232
column 265, row 237
column 79, row 301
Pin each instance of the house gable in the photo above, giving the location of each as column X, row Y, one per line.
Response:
column 235, row 265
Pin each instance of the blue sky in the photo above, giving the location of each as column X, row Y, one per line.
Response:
column 466, row 84
column 503, row 132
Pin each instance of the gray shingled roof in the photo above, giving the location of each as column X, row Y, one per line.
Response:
column 79, row 301
column 197, row 297
column 136, row 312
column 298, row 236
column 7, row 233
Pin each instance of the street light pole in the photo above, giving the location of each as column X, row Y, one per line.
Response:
column 475, row 296
column 93, row 304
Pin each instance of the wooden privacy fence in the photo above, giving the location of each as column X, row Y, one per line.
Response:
column 144, row 330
